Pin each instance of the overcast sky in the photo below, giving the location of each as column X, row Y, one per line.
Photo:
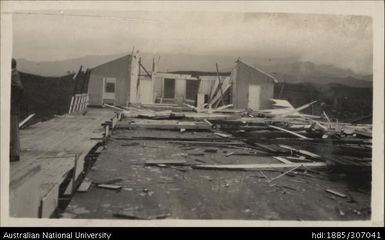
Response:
column 344, row 41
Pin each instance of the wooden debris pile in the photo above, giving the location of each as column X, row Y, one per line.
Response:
column 291, row 137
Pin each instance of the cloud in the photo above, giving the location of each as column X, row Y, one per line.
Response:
column 345, row 41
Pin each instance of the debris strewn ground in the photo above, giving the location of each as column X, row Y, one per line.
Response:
column 162, row 174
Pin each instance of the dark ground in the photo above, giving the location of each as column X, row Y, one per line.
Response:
column 186, row 193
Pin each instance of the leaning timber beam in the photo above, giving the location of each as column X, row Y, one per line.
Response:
column 26, row 120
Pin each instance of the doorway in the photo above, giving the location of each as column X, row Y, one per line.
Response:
column 254, row 97
column 109, row 85
column 169, row 88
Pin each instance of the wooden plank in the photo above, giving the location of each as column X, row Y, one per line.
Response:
column 166, row 161
column 283, row 160
column 217, row 97
column 200, row 100
column 288, row 131
column 78, row 103
column 84, row 186
column 166, row 126
column 269, row 148
column 113, row 107
column 59, row 140
column 71, row 104
column 259, row 166
column 80, row 97
column 114, row 121
column 107, row 131
column 223, row 135
column 185, row 139
column 206, row 143
column 208, row 122
column 109, row 186
column 55, row 171
column 82, row 103
column 299, row 159
column 74, row 109
column 336, row 193
column 283, row 174
column 63, row 133
column 220, row 85
column 87, row 100
column 79, row 165
column 49, row 202
column 185, row 123
column 26, row 120
column 24, row 196
column 304, row 152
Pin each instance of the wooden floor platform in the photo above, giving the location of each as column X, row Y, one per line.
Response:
column 49, row 151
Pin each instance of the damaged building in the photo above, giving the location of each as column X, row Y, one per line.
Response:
column 193, row 88
column 251, row 87
column 115, row 82
column 199, row 88
column 125, row 81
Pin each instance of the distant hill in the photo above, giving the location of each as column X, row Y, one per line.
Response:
column 62, row 67
column 322, row 79
column 288, row 70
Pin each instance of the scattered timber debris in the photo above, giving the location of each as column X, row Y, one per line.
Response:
column 229, row 154
column 223, row 135
column 109, row 186
column 23, row 123
column 341, row 195
column 283, row 174
column 283, row 131
column 166, row 162
column 84, row 186
column 257, row 166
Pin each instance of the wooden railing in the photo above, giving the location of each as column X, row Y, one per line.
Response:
column 79, row 103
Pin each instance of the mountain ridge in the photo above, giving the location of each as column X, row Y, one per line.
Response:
column 289, row 70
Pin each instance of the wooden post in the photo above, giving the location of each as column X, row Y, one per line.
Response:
column 83, row 102
column 26, row 120
column 220, row 84
column 77, row 102
column 71, row 105
column 76, row 79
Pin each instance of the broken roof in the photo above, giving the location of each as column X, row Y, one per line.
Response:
column 259, row 70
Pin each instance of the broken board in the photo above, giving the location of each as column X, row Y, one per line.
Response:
column 84, row 186
column 259, row 166
column 166, row 161
column 109, row 186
